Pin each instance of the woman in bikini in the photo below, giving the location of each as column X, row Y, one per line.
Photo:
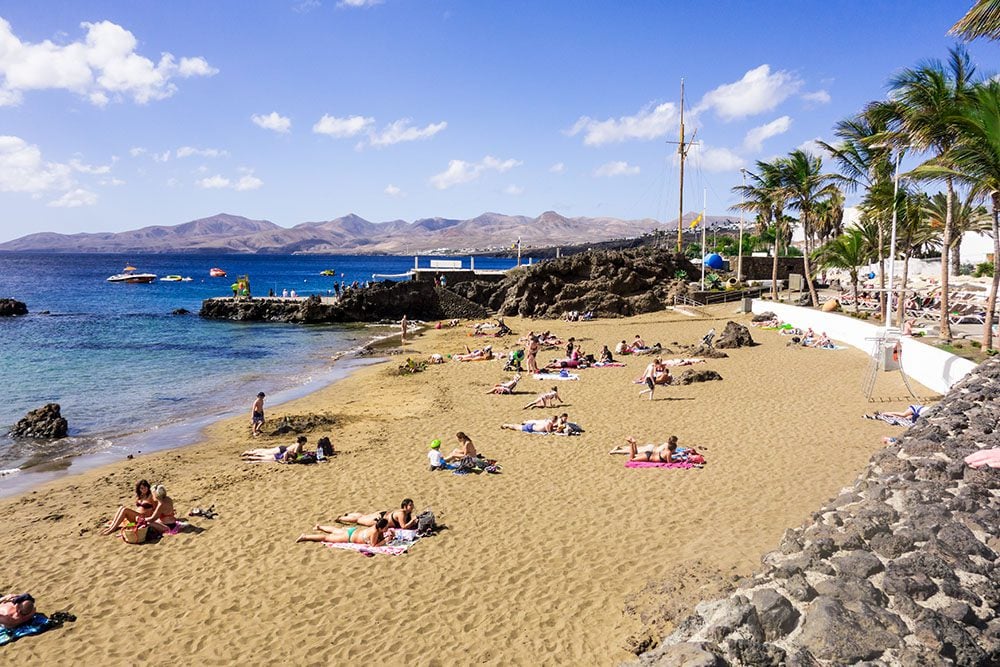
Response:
column 144, row 506
column 401, row 518
column 656, row 453
column 375, row 536
column 163, row 519
column 465, row 448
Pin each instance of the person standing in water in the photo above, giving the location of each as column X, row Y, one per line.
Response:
column 257, row 414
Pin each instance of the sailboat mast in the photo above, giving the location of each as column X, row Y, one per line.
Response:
column 680, row 149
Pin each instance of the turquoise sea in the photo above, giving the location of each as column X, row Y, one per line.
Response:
column 132, row 377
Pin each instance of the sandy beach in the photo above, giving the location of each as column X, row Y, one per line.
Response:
column 555, row 561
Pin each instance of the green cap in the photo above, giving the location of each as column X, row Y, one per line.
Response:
column 435, row 443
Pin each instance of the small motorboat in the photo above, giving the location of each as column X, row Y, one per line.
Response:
column 216, row 272
column 328, row 272
column 171, row 279
column 129, row 275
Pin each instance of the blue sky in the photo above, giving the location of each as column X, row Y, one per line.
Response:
column 117, row 115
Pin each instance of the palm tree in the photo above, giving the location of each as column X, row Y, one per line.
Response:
column 830, row 217
column 976, row 160
column 966, row 216
column 764, row 197
column 983, row 20
column 848, row 251
column 805, row 186
column 927, row 99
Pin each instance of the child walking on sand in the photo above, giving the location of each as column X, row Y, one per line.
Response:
column 257, row 414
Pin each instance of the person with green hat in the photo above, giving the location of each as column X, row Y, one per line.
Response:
column 435, row 457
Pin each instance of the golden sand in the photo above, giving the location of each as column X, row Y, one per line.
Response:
column 537, row 563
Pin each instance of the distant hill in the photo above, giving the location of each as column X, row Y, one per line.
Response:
column 349, row 234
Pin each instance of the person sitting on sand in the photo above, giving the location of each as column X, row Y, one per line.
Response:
column 484, row 354
column 664, row 453
column 403, row 518
column 534, row 425
column 436, row 457
column 375, row 536
column 823, row 342
column 465, row 448
column 505, row 387
column 606, row 357
column 623, row 348
column 162, row 519
column 16, row 610
column 145, row 504
column 546, row 400
column 638, row 343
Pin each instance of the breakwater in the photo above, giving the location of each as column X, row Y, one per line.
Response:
column 899, row 569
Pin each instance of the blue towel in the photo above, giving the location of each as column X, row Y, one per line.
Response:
column 38, row 624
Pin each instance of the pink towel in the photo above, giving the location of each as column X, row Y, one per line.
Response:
column 657, row 464
column 984, row 457
column 393, row 550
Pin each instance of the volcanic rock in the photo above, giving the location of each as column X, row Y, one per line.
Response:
column 733, row 336
column 44, row 423
column 12, row 308
column 690, row 375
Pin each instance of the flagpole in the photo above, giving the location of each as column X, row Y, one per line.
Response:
column 704, row 253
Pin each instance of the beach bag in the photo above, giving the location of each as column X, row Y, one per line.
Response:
column 134, row 533
column 425, row 523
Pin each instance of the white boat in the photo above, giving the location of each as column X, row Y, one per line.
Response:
column 171, row 279
column 129, row 275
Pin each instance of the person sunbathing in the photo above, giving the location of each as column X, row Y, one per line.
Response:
column 534, row 425
column 823, row 342
column 375, row 536
column 484, row 354
column 401, row 518
column 280, row 454
column 505, row 387
column 546, row 400
column 665, row 453
column 911, row 414
column 16, row 610
column 163, row 518
column 572, row 360
column 465, row 448
column 145, row 504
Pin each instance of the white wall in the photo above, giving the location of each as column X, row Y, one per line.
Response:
column 932, row 367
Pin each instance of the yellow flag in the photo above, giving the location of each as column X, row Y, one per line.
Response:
column 694, row 223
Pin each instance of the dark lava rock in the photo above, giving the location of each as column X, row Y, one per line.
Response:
column 43, row 423
column 766, row 316
column 689, row 655
column 830, row 631
column 955, row 642
column 180, row 311
column 689, row 376
column 776, row 614
column 860, row 564
column 12, row 308
column 302, row 423
column 733, row 336
column 749, row 652
column 706, row 351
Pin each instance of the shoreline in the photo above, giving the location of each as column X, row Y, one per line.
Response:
column 585, row 542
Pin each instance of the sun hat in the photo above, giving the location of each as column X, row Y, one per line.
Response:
column 435, row 443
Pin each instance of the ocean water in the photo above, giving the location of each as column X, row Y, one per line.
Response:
column 132, row 377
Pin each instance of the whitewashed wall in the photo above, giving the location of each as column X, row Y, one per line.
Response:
column 932, row 367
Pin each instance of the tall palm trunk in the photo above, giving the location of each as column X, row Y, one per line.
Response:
column 991, row 303
column 774, row 267
column 807, row 227
column 945, row 244
column 901, row 306
column 956, row 256
column 854, row 285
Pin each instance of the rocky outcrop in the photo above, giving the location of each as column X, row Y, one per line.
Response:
column 45, row 423
column 607, row 283
column 690, row 375
column 384, row 301
column 900, row 569
column 733, row 336
column 12, row 308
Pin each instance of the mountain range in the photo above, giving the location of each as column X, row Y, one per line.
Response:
column 349, row 234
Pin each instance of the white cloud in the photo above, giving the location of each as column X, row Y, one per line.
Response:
column 558, row 168
column 79, row 166
column 617, row 168
column 816, row 98
column 22, row 168
column 754, row 140
column 650, row 123
column 812, row 147
column 74, row 199
column 101, row 67
column 247, row 182
column 188, row 151
column 114, row 182
column 161, row 157
column 401, row 130
column 272, row 121
column 513, row 190
column 711, row 159
column 216, row 182
column 342, row 127
column 758, row 91
column 460, row 171
column 306, row 6
column 359, row 3
column 393, row 191
column 136, row 151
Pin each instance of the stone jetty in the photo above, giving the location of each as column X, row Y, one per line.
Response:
column 900, row 569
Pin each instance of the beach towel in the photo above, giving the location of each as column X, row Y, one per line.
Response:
column 985, row 457
column 607, row 364
column 683, row 362
column 890, row 420
column 659, row 464
column 402, row 541
column 556, row 376
column 38, row 624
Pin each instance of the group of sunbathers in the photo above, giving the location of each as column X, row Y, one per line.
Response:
column 559, row 424
column 372, row 529
column 638, row 346
column 153, row 508
column 294, row 454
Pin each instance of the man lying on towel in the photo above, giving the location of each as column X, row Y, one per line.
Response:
column 668, row 452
